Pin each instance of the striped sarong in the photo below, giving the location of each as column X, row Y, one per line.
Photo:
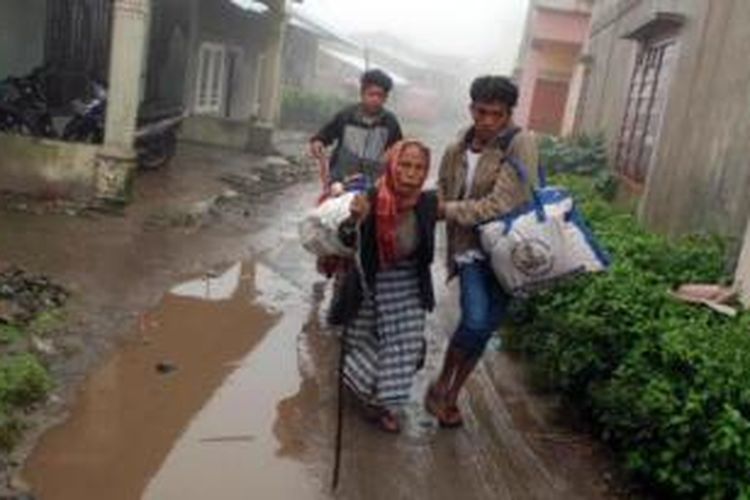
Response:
column 385, row 344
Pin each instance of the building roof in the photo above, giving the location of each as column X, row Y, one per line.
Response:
column 359, row 63
column 299, row 18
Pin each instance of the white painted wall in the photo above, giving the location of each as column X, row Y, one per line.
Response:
column 743, row 270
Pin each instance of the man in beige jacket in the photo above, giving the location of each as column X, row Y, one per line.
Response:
column 476, row 184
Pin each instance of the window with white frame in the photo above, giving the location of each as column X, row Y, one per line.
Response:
column 211, row 84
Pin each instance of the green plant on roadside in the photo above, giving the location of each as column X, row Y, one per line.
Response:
column 606, row 184
column 24, row 382
column 308, row 110
column 10, row 334
column 666, row 384
column 47, row 322
column 11, row 429
column 582, row 155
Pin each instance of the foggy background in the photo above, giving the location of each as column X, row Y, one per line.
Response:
column 485, row 32
column 432, row 49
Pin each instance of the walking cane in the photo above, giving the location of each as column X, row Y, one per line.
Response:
column 342, row 359
column 339, row 414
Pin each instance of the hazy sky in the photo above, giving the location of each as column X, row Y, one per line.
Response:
column 485, row 30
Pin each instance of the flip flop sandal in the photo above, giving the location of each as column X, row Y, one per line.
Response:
column 451, row 418
column 388, row 422
column 432, row 402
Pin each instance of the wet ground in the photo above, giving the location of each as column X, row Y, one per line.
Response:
column 224, row 384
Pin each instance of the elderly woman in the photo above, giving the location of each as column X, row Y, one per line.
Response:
column 389, row 292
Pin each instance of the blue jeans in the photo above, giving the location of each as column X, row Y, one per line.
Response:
column 483, row 307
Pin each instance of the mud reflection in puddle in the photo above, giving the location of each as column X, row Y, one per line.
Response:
column 133, row 422
column 238, row 428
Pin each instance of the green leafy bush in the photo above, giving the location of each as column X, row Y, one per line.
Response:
column 581, row 154
column 9, row 334
column 308, row 110
column 666, row 384
column 23, row 381
column 11, row 429
column 584, row 155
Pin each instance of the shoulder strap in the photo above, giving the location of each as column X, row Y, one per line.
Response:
column 506, row 138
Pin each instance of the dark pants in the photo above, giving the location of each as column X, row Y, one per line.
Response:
column 483, row 308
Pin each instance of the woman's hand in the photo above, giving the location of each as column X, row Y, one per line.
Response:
column 337, row 189
column 360, row 207
column 317, row 149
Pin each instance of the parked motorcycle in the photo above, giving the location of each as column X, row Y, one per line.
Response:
column 155, row 140
column 89, row 116
column 11, row 120
column 23, row 105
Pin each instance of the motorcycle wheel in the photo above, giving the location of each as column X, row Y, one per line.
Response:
column 11, row 125
column 155, row 153
column 78, row 130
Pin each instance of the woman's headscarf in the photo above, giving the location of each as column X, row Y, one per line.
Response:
column 391, row 203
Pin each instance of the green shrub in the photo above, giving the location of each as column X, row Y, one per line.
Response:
column 308, row 110
column 11, row 428
column 23, row 382
column 666, row 384
column 47, row 322
column 581, row 154
column 10, row 334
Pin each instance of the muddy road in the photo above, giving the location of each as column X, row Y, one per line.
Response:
column 227, row 390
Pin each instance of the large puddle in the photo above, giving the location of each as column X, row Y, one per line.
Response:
column 186, row 408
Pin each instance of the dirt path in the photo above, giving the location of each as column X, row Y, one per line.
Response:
column 248, row 412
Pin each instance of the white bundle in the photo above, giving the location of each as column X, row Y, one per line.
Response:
column 319, row 230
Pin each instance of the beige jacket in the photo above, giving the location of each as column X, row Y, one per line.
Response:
column 496, row 189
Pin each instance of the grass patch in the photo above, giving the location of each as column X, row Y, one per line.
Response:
column 24, row 382
column 47, row 322
column 10, row 334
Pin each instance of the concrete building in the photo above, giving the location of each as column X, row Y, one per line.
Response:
column 56, row 169
column 320, row 58
column 669, row 85
column 218, row 61
column 230, row 73
column 550, row 71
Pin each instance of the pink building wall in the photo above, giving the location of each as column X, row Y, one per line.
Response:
column 552, row 45
column 529, row 75
column 562, row 27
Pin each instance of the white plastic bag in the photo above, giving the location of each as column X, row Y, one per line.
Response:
column 319, row 230
column 541, row 244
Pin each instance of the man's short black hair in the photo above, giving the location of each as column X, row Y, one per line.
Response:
column 376, row 77
column 494, row 89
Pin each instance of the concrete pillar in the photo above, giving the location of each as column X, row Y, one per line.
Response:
column 193, row 47
column 260, row 135
column 129, row 38
column 743, row 270
column 527, row 85
column 574, row 96
column 270, row 104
